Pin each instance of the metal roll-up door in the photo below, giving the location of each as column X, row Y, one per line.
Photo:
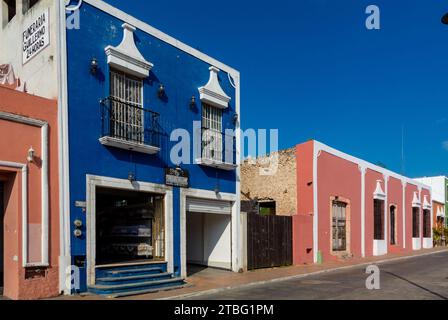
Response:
column 209, row 206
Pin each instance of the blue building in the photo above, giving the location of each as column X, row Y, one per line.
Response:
column 149, row 149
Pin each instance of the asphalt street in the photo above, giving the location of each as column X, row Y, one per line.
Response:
column 424, row 277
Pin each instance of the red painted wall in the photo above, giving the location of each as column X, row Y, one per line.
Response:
column 337, row 177
column 303, row 221
column 410, row 189
column 15, row 140
column 371, row 181
column 395, row 197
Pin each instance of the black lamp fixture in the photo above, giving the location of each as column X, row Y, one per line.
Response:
column 93, row 66
column 235, row 118
column 161, row 91
column 445, row 18
column 131, row 176
column 192, row 102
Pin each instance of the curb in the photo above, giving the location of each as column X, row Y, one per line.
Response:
column 299, row 276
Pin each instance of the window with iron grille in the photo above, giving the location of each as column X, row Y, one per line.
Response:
column 415, row 222
column 339, row 226
column 378, row 219
column 426, row 223
column 126, row 119
column 212, row 141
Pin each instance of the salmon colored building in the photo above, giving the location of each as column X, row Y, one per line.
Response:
column 348, row 207
column 29, row 230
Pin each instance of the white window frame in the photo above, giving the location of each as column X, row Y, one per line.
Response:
column 120, row 92
column 212, row 133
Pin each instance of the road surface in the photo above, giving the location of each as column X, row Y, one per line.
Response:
column 424, row 277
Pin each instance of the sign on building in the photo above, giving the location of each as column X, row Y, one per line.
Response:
column 176, row 177
column 36, row 36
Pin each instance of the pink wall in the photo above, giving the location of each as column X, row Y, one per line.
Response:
column 395, row 197
column 303, row 221
column 342, row 178
column 17, row 285
column 338, row 178
column 371, row 178
column 410, row 189
column 424, row 193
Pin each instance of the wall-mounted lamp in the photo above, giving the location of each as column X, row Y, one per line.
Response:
column 93, row 66
column 31, row 154
column 235, row 118
column 193, row 103
column 77, row 233
column 161, row 91
column 77, row 223
column 131, row 176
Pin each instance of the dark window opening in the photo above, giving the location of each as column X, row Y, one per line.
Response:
column 339, row 226
column 392, row 224
column 28, row 4
column 426, row 223
column 416, row 222
column 9, row 10
column 378, row 219
column 130, row 226
column 267, row 208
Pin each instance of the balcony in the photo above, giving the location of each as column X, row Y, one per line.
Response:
column 128, row 126
column 218, row 150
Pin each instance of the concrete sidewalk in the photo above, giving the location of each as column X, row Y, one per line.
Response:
column 208, row 281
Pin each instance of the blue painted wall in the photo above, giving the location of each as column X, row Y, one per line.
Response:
column 180, row 73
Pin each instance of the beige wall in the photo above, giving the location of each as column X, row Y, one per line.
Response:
column 280, row 186
column 40, row 73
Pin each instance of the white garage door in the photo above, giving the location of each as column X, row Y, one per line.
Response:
column 209, row 206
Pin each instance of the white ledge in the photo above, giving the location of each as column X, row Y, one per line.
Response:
column 416, row 201
column 379, row 193
column 126, row 57
column 426, row 204
column 212, row 92
column 215, row 164
column 128, row 145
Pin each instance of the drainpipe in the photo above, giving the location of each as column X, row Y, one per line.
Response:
column 64, row 192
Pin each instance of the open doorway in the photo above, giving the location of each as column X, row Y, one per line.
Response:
column 208, row 241
column 130, row 227
column 2, row 215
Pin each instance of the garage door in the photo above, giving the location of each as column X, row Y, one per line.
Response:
column 209, row 206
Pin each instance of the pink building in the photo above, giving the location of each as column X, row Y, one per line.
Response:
column 29, row 201
column 348, row 207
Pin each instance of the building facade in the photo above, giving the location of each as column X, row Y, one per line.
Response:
column 134, row 95
column 148, row 132
column 29, row 232
column 278, row 189
column 348, row 207
column 439, row 185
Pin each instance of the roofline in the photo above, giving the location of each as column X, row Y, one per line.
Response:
column 370, row 165
column 432, row 177
column 139, row 24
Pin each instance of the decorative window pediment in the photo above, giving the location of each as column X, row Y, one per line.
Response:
column 126, row 57
column 415, row 200
column 379, row 193
column 212, row 92
column 426, row 204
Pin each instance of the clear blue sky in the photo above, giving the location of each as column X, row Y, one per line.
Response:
column 311, row 69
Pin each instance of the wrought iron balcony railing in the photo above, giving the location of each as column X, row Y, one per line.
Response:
column 218, row 149
column 129, row 126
